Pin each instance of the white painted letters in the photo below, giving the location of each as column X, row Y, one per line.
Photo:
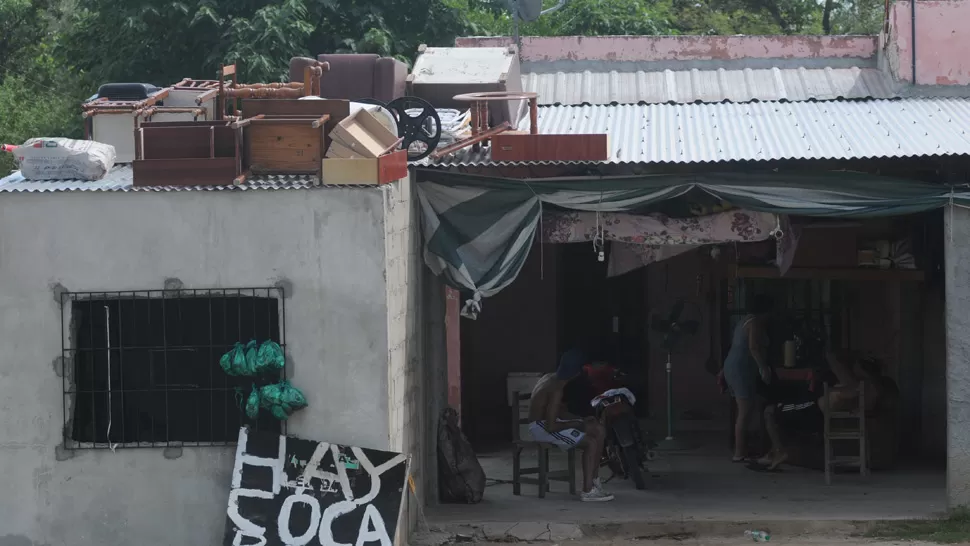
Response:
column 244, row 527
column 329, row 494
column 372, row 528
column 283, row 522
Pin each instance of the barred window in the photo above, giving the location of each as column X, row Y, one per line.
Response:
column 141, row 369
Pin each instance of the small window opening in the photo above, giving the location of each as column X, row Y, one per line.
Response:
column 144, row 366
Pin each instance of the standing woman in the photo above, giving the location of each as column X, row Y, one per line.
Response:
column 745, row 362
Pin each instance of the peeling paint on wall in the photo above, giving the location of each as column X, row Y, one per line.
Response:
column 941, row 42
column 682, row 48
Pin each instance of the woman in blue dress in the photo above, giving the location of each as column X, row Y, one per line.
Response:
column 745, row 362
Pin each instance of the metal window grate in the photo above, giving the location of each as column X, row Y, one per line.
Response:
column 141, row 368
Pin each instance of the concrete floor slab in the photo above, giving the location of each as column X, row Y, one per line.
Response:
column 704, row 487
column 796, row 541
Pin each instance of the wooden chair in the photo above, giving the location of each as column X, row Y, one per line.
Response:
column 542, row 455
column 851, row 427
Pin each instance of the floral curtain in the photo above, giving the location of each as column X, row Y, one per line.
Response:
column 643, row 239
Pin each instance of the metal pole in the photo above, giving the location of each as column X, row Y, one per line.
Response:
column 670, row 402
column 912, row 30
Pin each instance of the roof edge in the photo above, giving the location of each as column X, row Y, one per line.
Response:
column 683, row 48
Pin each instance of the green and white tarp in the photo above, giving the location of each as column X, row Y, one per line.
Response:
column 479, row 230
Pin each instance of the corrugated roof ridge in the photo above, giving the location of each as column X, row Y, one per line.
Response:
column 120, row 179
column 605, row 86
column 759, row 131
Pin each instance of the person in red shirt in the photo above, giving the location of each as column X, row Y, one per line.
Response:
column 602, row 377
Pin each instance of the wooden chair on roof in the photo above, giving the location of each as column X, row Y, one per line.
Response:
column 545, row 476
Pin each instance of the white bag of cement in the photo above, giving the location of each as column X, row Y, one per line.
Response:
column 64, row 159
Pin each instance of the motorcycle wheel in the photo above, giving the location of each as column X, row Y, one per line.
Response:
column 631, row 463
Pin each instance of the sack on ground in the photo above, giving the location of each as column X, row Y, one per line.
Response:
column 461, row 477
column 64, row 159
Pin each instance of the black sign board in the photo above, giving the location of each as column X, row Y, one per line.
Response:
column 288, row 491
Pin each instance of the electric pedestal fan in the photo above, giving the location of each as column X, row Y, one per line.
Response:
column 671, row 327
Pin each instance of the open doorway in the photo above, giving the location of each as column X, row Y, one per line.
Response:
column 837, row 283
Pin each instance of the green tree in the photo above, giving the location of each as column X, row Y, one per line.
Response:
column 638, row 17
column 142, row 40
column 38, row 94
column 858, row 17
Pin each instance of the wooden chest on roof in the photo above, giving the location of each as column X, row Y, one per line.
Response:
column 186, row 153
column 289, row 136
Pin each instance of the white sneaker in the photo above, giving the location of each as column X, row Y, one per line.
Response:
column 595, row 495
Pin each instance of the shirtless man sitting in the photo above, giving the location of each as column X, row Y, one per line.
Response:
column 550, row 423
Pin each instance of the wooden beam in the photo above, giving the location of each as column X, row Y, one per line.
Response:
column 219, row 171
column 818, row 273
column 516, row 147
column 441, row 152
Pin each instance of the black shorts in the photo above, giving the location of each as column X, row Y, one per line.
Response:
column 796, row 407
column 802, row 417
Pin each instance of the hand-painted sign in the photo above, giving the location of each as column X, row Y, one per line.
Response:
column 288, row 491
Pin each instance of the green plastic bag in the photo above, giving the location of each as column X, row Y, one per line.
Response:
column 234, row 362
column 280, row 399
column 270, row 357
column 253, row 359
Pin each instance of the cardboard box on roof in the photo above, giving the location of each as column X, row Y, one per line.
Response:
column 366, row 171
column 339, row 151
column 363, row 152
column 364, row 134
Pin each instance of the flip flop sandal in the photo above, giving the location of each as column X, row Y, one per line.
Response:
column 741, row 460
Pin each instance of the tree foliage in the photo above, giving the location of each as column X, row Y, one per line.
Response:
column 38, row 95
column 143, row 40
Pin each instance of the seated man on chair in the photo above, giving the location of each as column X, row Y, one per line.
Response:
column 549, row 423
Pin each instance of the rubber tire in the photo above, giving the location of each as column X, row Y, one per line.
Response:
column 631, row 463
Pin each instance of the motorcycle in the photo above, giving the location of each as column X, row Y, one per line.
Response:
column 627, row 449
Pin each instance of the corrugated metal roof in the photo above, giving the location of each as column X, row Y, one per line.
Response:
column 689, row 86
column 760, row 131
column 120, row 179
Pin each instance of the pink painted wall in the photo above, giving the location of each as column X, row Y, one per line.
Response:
column 942, row 42
column 665, row 48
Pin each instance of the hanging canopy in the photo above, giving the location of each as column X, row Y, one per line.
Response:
column 478, row 230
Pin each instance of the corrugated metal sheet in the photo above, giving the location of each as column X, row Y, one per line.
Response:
column 689, row 86
column 120, row 179
column 761, row 131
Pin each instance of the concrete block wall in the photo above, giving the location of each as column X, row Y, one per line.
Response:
column 411, row 417
column 356, row 326
column 941, row 39
column 326, row 246
column 956, row 232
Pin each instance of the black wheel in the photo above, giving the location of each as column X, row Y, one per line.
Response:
column 418, row 124
column 631, row 465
